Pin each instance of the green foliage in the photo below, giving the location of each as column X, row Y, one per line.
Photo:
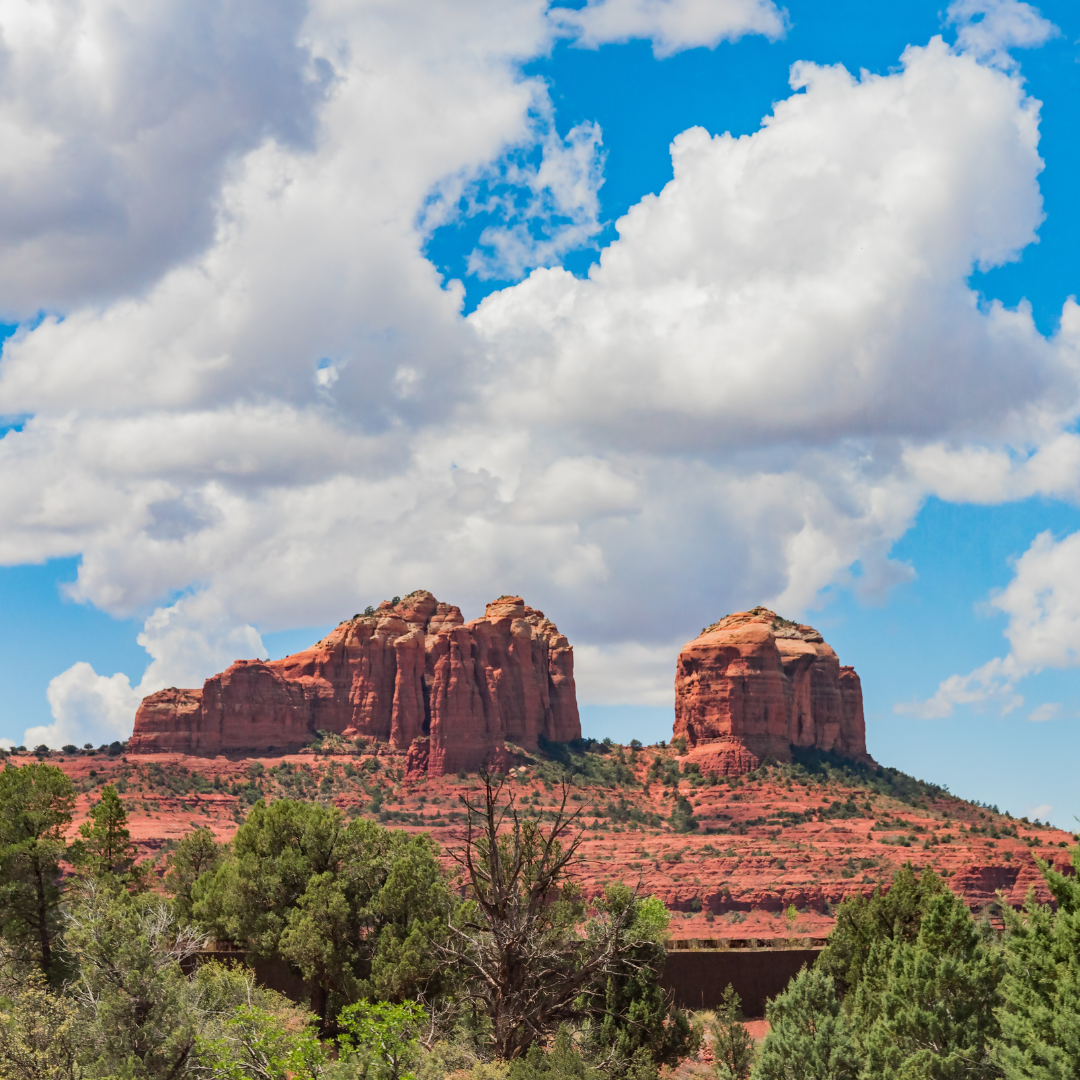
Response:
column 585, row 761
column 39, row 1033
column 104, row 846
column 258, row 1043
column 733, row 1049
column 561, row 1062
column 926, row 1008
column 36, row 801
column 891, row 782
column 1040, row 992
column 809, row 1036
column 921, row 984
column 631, row 1023
column 382, row 1037
column 196, row 854
column 352, row 905
column 136, row 1001
column 860, row 923
column 682, row 818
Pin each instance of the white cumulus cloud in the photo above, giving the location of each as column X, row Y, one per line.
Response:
column 671, row 25
column 988, row 29
column 188, row 642
column 746, row 400
column 1042, row 603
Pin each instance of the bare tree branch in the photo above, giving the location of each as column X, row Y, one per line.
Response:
column 528, row 963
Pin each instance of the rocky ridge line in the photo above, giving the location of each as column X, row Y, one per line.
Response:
column 411, row 673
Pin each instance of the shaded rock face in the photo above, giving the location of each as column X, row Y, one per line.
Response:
column 753, row 685
column 413, row 674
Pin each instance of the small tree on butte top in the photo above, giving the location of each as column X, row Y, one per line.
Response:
column 518, row 939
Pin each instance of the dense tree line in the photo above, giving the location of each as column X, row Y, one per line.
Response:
column 411, row 971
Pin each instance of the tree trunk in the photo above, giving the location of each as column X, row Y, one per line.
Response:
column 319, row 998
column 43, row 919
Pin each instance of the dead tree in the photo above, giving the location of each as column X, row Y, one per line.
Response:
column 519, row 942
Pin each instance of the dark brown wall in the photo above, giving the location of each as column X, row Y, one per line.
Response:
column 699, row 977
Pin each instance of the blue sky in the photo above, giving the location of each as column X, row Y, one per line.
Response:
column 326, row 368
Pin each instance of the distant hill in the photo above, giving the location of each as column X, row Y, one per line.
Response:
column 728, row 855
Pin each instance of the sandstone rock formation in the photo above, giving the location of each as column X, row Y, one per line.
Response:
column 412, row 673
column 753, row 685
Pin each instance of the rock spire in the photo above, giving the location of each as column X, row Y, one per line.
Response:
column 411, row 673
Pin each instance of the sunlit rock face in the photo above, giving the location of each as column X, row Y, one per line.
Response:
column 412, row 673
column 753, row 685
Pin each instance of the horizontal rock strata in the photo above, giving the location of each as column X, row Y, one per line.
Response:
column 412, row 673
column 754, row 685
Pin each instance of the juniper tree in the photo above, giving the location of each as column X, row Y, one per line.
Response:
column 1040, row 992
column 809, row 1035
column 353, row 905
column 926, row 1008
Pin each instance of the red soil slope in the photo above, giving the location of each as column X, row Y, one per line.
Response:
column 765, row 843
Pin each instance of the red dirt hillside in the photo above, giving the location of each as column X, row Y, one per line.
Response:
column 803, row 834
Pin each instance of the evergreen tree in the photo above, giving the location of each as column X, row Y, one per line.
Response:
column 104, row 846
column 860, row 923
column 926, row 1008
column 35, row 808
column 809, row 1036
column 733, row 1049
column 631, row 1024
column 354, row 905
column 196, row 854
column 1040, row 992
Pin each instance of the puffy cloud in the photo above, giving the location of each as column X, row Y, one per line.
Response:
column 806, row 282
column 988, row 29
column 1043, row 605
column 626, row 673
column 745, row 401
column 671, row 25
column 119, row 120
column 86, row 707
column 189, row 641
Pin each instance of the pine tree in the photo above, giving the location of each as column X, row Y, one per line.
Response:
column 1040, row 993
column 809, row 1037
column 35, row 808
column 104, row 847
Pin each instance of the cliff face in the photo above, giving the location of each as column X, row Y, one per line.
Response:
column 413, row 674
column 753, row 685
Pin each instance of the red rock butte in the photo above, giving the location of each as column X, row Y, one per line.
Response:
column 754, row 685
column 413, row 673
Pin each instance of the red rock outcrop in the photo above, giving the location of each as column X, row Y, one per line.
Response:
column 413, row 674
column 754, row 685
